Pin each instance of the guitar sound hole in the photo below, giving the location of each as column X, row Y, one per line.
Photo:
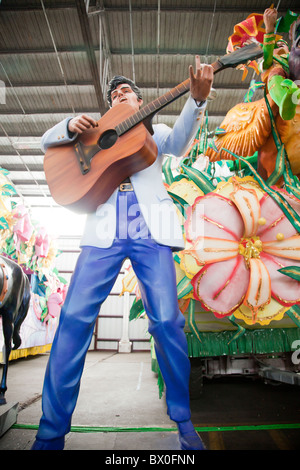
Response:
column 108, row 139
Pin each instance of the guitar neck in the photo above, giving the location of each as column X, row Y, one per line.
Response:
column 154, row 107
column 240, row 56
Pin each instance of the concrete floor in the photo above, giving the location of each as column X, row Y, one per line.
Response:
column 119, row 391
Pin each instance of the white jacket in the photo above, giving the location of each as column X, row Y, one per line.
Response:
column 156, row 205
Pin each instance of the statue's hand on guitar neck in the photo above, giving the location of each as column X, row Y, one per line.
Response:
column 201, row 81
column 79, row 124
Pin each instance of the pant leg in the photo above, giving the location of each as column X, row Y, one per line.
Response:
column 92, row 280
column 154, row 267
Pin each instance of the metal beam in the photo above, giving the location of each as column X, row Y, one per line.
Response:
column 19, row 182
column 124, row 51
column 21, row 167
column 11, row 6
column 90, row 110
column 142, row 85
column 241, row 8
column 86, row 34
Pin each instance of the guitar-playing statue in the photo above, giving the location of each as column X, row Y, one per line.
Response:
column 84, row 174
column 133, row 219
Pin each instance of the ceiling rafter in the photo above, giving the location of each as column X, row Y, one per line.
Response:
column 63, row 5
column 86, row 33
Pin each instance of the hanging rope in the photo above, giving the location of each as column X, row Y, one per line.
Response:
column 210, row 30
column 58, row 59
column 131, row 37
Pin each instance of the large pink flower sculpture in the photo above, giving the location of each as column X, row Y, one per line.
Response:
column 240, row 238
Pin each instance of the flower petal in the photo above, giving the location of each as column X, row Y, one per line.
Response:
column 276, row 221
column 288, row 248
column 259, row 291
column 213, row 215
column 212, row 250
column 284, row 289
column 273, row 311
column 188, row 263
column 248, row 205
column 221, row 287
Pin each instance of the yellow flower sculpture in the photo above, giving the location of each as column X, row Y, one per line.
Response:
column 240, row 239
column 189, row 192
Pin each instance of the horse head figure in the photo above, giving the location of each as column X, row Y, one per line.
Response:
column 14, row 304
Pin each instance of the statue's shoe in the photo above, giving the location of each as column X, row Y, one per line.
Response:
column 53, row 444
column 189, row 439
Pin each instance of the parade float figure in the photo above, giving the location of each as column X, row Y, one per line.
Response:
column 14, row 304
column 249, row 127
column 26, row 262
column 112, row 234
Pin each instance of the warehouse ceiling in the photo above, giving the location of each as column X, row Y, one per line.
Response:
column 56, row 58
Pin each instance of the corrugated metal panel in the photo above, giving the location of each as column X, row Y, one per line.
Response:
column 110, row 323
column 43, row 99
column 34, row 77
column 33, row 31
column 15, row 161
column 231, row 6
column 66, row 261
column 28, row 25
column 40, row 67
column 69, row 242
column 213, row 122
column 24, row 175
column 31, row 127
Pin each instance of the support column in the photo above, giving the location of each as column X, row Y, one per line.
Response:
column 124, row 343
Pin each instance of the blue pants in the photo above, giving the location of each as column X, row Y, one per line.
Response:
column 94, row 276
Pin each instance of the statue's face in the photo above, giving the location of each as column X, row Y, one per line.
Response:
column 124, row 94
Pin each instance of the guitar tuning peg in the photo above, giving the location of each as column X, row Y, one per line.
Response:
column 212, row 95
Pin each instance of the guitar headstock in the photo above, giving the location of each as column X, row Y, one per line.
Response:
column 240, row 56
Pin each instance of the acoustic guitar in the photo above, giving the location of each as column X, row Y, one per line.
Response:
column 83, row 174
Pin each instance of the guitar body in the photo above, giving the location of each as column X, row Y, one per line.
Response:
column 133, row 151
